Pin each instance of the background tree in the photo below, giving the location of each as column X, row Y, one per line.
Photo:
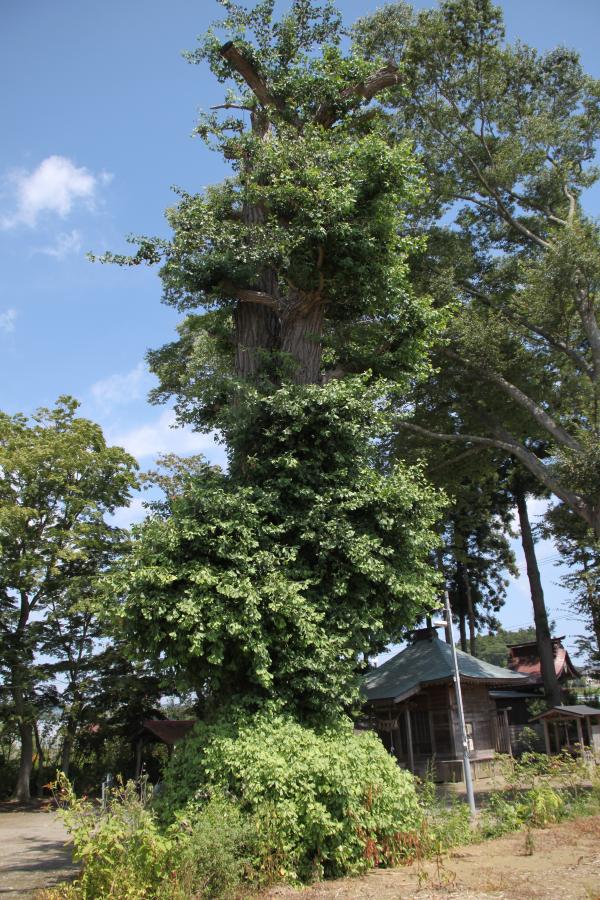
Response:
column 475, row 524
column 494, row 647
column 582, row 557
column 507, row 139
column 58, row 480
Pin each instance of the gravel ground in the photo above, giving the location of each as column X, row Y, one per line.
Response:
column 33, row 854
column 558, row 863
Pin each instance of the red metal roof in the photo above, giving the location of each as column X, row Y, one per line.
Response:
column 170, row 731
column 524, row 658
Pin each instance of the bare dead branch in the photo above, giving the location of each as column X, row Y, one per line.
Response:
column 232, row 106
column 248, row 296
column 252, row 78
column 384, row 78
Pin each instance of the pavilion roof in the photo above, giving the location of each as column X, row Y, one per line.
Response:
column 525, row 658
column 579, row 711
column 170, row 731
column 426, row 662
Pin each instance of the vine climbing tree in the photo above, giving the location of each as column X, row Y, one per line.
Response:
column 277, row 578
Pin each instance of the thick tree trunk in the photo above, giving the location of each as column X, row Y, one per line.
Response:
column 468, row 594
column 301, row 335
column 256, row 326
column 593, row 600
column 22, row 793
column 256, row 336
column 39, row 779
column 542, row 630
column 595, row 613
column 462, row 631
column 67, row 747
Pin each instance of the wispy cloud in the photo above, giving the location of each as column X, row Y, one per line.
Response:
column 7, row 320
column 121, row 388
column 64, row 245
column 126, row 516
column 54, row 187
column 163, row 436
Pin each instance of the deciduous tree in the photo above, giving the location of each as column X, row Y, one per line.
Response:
column 58, row 480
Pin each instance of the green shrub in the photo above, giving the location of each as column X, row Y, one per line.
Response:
column 211, row 849
column 543, row 806
column 328, row 803
column 448, row 826
column 503, row 813
column 125, row 853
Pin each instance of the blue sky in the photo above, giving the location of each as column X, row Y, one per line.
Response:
column 97, row 110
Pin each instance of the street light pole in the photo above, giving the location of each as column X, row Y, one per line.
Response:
column 461, row 711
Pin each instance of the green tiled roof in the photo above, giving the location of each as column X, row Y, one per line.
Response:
column 427, row 661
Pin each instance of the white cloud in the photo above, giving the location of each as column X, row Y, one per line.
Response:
column 54, row 187
column 126, row 516
column 120, row 389
column 162, row 436
column 7, row 320
column 63, row 246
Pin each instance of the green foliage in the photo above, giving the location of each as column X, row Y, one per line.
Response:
column 494, row 647
column 507, row 137
column 272, row 580
column 325, row 803
column 126, row 854
column 58, row 482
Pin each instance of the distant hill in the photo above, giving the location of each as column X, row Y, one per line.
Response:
column 493, row 648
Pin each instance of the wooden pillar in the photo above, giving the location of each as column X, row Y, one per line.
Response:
column 556, row 736
column 138, row 757
column 580, row 736
column 588, row 725
column 547, row 736
column 507, row 730
column 432, row 734
column 409, row 740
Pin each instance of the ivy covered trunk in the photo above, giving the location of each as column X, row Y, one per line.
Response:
column 305, row 557
column 301, row 333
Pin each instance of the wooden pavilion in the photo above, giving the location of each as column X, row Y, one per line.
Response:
column 165, row 731
column 411, row 703
column 571, row 725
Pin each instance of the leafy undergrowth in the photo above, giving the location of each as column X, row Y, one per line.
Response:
column 263, row 820
column 537, row 791
column 242, row 807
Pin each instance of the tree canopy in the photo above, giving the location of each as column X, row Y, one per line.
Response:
column 58, row 480
column 274, row 580
column 507, row 138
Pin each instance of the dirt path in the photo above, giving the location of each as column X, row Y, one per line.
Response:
column 564, row 865
column 33, row 854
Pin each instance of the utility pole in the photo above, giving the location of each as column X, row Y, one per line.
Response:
column 459, row 703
